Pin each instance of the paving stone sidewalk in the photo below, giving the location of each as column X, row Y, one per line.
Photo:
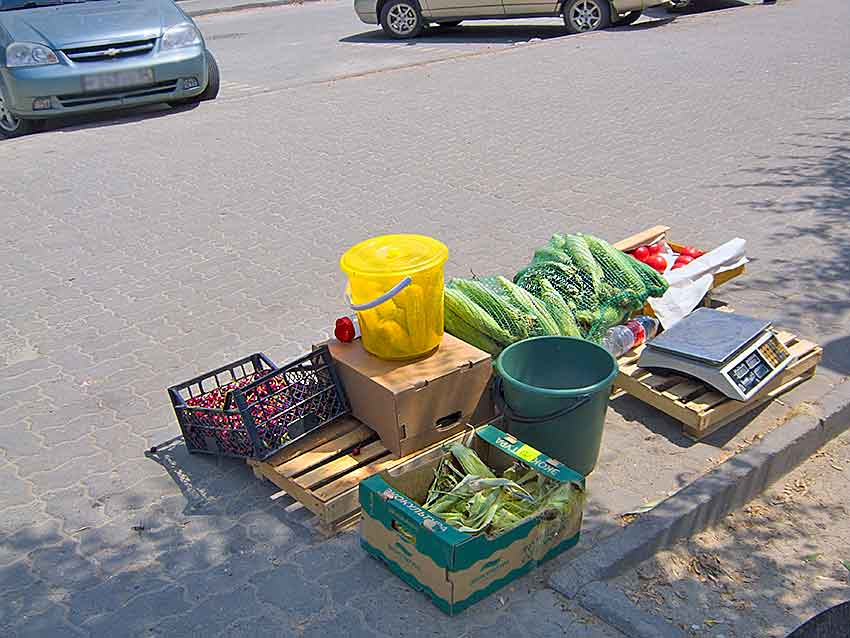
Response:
column 143, row 251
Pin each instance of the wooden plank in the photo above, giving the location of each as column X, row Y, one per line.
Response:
column 640, row 373
column 682, row 391
column 342, row 496
column 801, row 348
column 312, row 440
column 337, row 527
column 662, row 381
column 310, row 459
column 786, row 338
column 298, row 493
column 641, row 391
column 648, row 236
column 629, row 369
column 340, row 466
column 728, row 275
column 702, row 432
column 729, row 410
column 707, row 401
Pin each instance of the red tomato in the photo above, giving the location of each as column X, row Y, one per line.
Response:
column 690, row 251
column 683, row 260
column 641, row 253
column 658, row 262
column 654, row 249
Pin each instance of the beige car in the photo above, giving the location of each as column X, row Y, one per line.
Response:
column 407, row 18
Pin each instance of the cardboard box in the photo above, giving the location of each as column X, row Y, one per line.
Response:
column 413, row 404
column 453, row 568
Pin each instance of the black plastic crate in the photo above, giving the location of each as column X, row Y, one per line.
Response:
column 252, row 408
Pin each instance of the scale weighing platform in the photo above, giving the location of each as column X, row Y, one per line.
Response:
column 735, row 354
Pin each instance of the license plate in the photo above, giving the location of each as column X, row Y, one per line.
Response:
column 117, row 80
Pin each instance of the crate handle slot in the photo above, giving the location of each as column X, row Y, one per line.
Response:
column 406, row 536
column 449, row 421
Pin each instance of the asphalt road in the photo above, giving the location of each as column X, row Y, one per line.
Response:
column 301, row 44
column 137, row 251
column 289, row 46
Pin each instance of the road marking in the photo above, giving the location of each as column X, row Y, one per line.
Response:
column 229, row 88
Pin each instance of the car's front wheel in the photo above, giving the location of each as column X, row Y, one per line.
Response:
column 11, row 126
column 213, row 85
column 581, row 16
column 401, row 19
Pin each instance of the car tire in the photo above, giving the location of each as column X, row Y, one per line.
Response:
column 402, row 19
column 583, row 16
column 629, row 18
column 213, row 85
column 11, row 126
column 214, row 81
column 450, row 24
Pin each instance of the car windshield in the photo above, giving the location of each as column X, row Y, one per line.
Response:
column 14, row 5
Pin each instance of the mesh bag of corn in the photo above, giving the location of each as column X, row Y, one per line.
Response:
column 576, row 285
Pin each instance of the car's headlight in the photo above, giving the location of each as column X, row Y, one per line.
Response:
column 183, row 35
column 29, row 54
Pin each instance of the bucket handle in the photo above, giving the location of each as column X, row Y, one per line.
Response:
column 518, row 418
column 389, row 294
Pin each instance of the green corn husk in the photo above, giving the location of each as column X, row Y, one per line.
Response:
column 469, row 461
column 468, row 495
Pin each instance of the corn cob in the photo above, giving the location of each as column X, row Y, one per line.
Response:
column 513, row 320
column 548, row 253
column 531, row 304
column 560, row 311
column 463, row 331
column 578, row 251
column 476, row 317
column 615, row 264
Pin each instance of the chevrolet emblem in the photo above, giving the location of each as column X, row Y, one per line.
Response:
column 111, row 52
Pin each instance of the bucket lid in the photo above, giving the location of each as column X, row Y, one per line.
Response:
column 394, row 255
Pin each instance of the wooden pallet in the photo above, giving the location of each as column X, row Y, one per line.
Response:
column 322, row 471
column 700, row 408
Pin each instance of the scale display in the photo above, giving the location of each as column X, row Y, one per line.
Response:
column 735, row 354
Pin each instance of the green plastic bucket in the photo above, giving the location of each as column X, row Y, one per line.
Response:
column 554, row 393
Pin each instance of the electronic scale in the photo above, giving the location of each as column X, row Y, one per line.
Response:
column 735, row 354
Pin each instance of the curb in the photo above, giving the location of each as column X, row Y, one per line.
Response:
column 612, row 606
column 235, row 5
column 700, row 505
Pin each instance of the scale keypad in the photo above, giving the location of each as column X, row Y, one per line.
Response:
column 773, row 352
column 759, row 364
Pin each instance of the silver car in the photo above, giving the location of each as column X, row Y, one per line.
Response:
column 59, row 57
column 407, row 18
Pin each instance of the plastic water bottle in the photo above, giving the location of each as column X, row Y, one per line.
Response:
column 650, row 326
column 620, row 339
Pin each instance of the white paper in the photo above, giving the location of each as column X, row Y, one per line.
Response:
column 689, row 284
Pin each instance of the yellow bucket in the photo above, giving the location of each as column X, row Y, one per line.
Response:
column 395, row 284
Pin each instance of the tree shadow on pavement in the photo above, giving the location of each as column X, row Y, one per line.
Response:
column 805, row 196
column 766, row 568
column 220, row 558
